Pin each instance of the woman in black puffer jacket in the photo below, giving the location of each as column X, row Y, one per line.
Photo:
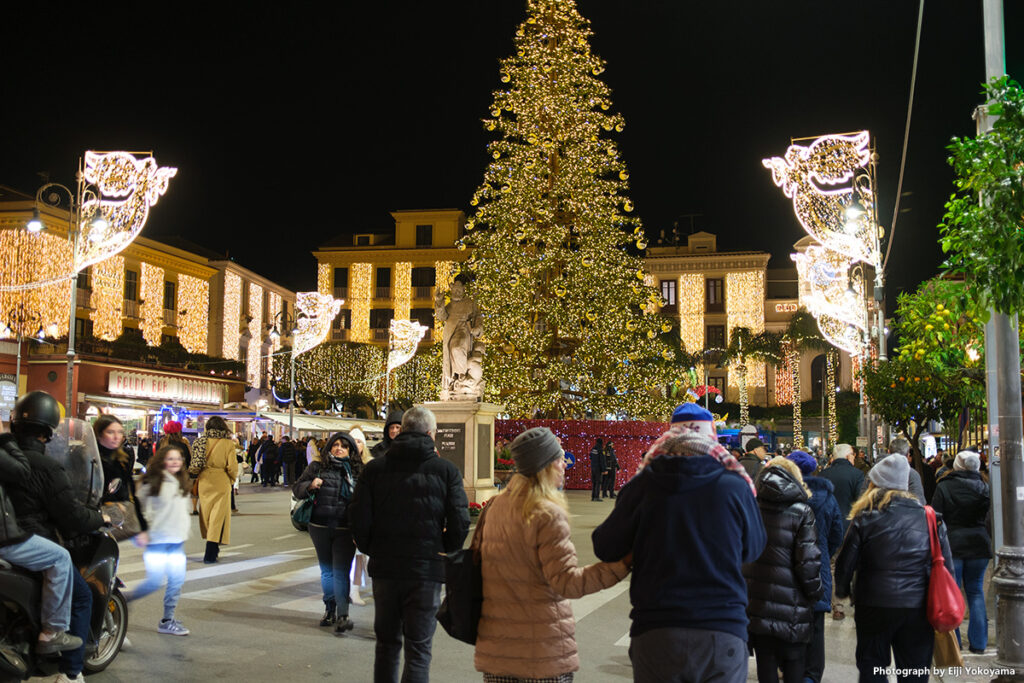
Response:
column 888, row 547
column 785, row 582
column 333, row 478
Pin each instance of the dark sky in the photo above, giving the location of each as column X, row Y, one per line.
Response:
column 295, row 123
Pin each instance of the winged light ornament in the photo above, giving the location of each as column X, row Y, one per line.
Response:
column 316, row 313
column 405, row 338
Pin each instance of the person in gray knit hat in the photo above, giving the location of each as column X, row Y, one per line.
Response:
column 535, row 449
column 891, row 472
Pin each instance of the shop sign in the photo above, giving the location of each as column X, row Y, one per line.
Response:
column 786, row 308
column 163, row 387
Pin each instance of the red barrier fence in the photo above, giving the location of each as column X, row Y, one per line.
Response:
column 630, row 440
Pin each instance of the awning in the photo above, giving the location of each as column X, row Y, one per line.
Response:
column 323, row 423
column 143, row 404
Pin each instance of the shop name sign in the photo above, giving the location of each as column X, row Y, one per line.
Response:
column 163, row 387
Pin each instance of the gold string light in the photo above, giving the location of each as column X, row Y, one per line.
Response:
column 152, row 308
column 323, row 278
column 108, row 298
column 232, row 318
column 403, row 290
column 193, row 313
column 830, row 387
column 691, row 311
column 254, row 355
column 24, row 258
column 784, row 382
column 273, row 308
column 315, row 312
column 444, row 274
column 744, row 307
column 798, row 427
column 359, row 301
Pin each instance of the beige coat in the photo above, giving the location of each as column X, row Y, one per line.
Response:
column 530, row 572
column 215, row 483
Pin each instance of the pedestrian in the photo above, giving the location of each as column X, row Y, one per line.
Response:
column 392, row 427
column 358, row 576
column 860, row 461
column 829, row 523
column 700, row 524
column 172, row 435
column 311, row 450
column 902, row 447
column 530, row 572
column 611, row 466
column 332, row 478
column 288, row 455
column 947, row 466
column 964, row 501
column 271, row 459
column 145, row 450
column 118, row 469
column 596, row 470
column 165, row 492
column 888, row 549
column 754, row 457
column 409, row 507
column 848, row 484
column 215, row 468
column 250, row 456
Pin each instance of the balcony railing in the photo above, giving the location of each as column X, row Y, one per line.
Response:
column 83, row 298
column 341, row 292
column 339, row 335
column 381, row 292
column 170, row 317
column 131, row 309
column 422, row 292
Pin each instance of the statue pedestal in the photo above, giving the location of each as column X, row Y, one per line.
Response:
column 465, row 436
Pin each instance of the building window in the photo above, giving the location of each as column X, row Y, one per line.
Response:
column 668, row 292
column 424, row 235
column 718, row 383
column 83, row 327
column 164, row 338
column 131, row 285
column 362, row 240
column 343, row 321
column 424, row 316
column 715, row 336
column 83, row 279
column 715, row 289
column 169, row 295
column 340, row 277
column 423, row 277
column 383, row 277
column 380, row 318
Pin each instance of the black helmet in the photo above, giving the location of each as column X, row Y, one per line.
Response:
column 37, row 408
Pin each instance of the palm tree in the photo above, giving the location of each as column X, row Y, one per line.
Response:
column 745, row 346
column 802, row 334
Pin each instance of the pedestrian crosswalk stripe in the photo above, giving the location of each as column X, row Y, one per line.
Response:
column 247, row 589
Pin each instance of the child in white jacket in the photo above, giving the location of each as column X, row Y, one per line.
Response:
column 164, row 495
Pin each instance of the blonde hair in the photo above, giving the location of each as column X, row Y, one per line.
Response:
column 875, row 498
column 790, row 466
column 530, row 492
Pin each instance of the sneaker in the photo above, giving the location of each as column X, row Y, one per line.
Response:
column 837, row 613
column 64, row 678
column 172, row 627
column 344, row 624
column 60, row 642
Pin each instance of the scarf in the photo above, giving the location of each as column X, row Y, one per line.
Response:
column 694, row 443
column 199, row 449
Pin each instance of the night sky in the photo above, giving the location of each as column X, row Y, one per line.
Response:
column 294, row 123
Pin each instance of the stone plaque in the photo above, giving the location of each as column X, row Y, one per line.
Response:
column 451, row 443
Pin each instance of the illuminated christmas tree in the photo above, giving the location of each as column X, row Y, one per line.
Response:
column 570, row 321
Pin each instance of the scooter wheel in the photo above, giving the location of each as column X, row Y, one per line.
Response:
column 115, row 627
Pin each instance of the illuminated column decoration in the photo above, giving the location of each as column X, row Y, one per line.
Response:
column 741, row 372
column 691, row 311
column 744, row 307
column 323, row 278
column 152, row 308
column 798, row 427
column 783, row 382
column 830, row 387
column 193, row 313
column 444, row 273
column 359, row 301
column 232, row 315
column 403, row 290
column 24, row 258
column 108, row 298
column 252, row 361
column 273, row 308
column 314, row 312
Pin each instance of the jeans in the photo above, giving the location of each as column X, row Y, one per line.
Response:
column 404, row 608
column 685, row 655
column 903, row 630
column 334, row 550
column 970, row 574
column 71, row 661
column 163, row 560
column 39, row 554
column 773, row 654
column 814, row 662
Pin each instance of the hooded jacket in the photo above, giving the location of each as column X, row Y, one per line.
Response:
column 339, row 476
column 14, row 470
column 964, row 501
column 673, row 516
column 785, row 581
column 829, row 522
column 408, row 509
column 849, row 483
column 394, row 418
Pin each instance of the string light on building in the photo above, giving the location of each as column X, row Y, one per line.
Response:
column 830, row 388
column 315, row 313
column 798, row 427
column 24, row 258
column 254, row 352
column 691, row 311
column 232, row 318
column 744, row 307
column 152, row 309
column 403, row 290
column 359, row 301
column 323, row 278
column 193, row 311
column 274, row 302
column 784, row 381
column 108, row 298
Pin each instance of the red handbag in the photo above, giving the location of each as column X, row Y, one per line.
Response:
column 945, row 602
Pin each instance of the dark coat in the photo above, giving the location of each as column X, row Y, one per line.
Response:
column 829, row 522
column 121, row 473
column 752, row 464
column 287, row 451
column 339, row 476
column 611, row 461
column 597, row 460
column 785, row 581
column 14, row 470
column 890, row 552
column 46, row 503
column 963, row 499
column 408, row 509
column 673, row 516
column 849, row 483
column 394, row 418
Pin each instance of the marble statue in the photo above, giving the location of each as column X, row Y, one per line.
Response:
column 461, row 351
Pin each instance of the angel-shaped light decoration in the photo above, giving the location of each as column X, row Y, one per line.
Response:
column 835, row 296
column 317, row 312
column 404, row 339
column 126, row 188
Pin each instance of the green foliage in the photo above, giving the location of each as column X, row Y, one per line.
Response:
column 940, row 326
column 982, row 229
column 419, row 380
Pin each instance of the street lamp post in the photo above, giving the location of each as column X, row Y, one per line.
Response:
column 287, row 322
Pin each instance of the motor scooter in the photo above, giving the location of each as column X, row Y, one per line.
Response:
column 95, row 555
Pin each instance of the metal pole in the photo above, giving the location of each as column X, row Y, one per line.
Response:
column 73, row 235
column 17, row 372
column 1002, row 339
column 291, row 403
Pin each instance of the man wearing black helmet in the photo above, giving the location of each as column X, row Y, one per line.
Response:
column 45, row 505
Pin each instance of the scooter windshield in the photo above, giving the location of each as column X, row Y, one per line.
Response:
column 74, row 446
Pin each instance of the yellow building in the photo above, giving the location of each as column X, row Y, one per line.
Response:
column 391, row 275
